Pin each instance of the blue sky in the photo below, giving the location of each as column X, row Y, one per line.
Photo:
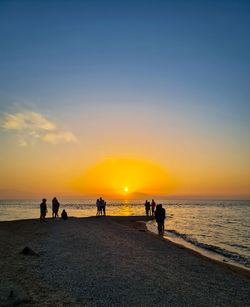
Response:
column 195, row 51
column 182, row 67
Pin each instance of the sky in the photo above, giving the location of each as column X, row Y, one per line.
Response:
column 125, row 99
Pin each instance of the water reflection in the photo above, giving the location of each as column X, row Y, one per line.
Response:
column 125, row 210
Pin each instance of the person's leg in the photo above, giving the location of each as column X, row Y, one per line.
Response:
column 159, row 228
column 163, row 227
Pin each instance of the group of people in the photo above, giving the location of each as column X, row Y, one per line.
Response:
column 55, row 209
column 101, row 207
column 150, row 208
column 159, row 213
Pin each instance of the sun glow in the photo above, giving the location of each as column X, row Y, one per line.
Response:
column 107, row 178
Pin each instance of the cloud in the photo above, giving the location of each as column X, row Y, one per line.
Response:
column 58, row 137
column 32, row 127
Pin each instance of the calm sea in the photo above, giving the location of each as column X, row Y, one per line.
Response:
column 218, row 229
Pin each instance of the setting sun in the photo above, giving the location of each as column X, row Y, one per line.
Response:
column 108, row 177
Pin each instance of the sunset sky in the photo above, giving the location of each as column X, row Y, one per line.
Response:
column 125, row 99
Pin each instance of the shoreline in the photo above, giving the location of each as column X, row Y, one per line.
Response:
column 134, row 261
column 201, row 251
column 141, row 226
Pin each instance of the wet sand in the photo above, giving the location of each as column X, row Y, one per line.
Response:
column 109, row 261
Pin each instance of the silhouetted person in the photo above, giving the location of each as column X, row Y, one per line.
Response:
column 64, row 215
column 153, row 207
column 98, row 207
column 147, row 207
column 43, row 210
column 101, row 205
column 55, row 207
column 104, row 208
column 160, row 215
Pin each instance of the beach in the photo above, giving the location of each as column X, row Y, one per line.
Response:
column 109, row 261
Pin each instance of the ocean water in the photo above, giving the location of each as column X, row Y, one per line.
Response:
column 217, row 229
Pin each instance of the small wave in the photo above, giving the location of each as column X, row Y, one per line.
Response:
column 238, row 245
column 221, row 251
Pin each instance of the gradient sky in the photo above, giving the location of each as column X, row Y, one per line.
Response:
column 160, row 88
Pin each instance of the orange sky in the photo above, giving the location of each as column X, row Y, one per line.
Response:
column 149, row 161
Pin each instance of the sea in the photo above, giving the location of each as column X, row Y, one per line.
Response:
column 216, row 229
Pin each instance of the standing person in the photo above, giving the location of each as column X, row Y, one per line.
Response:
column 98, row 205
column 101, row 205
column 147, row 207
column 43, row 210
column 55, row 207
column 104, row 208
column 160, row 215
column 153, row 207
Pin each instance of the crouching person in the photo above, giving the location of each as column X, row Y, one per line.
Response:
column 64, row 215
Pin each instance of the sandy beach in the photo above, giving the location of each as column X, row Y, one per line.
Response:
column 109, row 261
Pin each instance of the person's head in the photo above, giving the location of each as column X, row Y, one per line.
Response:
column 160, row 206
column 44, row 200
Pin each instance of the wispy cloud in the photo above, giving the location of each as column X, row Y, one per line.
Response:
column 31, row 127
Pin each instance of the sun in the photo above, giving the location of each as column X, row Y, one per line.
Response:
column 118, row 178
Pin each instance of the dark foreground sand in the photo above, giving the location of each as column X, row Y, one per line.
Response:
column 109, row 261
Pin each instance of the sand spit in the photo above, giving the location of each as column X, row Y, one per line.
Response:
column 109, row 261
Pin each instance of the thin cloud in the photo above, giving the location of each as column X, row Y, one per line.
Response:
column 57, row 137
column 32, row 127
